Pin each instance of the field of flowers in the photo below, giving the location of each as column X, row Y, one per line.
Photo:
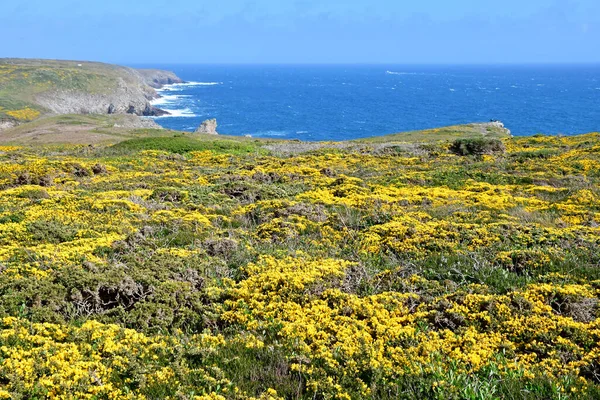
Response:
column 401, row 271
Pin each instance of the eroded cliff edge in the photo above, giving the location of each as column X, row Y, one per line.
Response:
column 32, row 88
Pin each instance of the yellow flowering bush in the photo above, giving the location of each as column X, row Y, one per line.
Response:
column 25, row 114
column 332, row 274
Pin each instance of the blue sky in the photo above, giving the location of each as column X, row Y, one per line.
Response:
column 303, row 31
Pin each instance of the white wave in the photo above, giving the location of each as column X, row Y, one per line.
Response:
column 301, row 132
column 401, row 73
column 178, row 87
column 272, row 133
column 167, row 99
column 199, row 83
column 186, row 112
column 452, row 90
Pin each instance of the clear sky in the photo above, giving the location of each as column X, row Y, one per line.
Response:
column 303, row 31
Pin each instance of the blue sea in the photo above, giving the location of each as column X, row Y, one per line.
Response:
column 347, row 102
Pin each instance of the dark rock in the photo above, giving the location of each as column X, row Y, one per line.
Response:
column 220, row 247
column 328, row 172
column 98, row 169
column 150, row 111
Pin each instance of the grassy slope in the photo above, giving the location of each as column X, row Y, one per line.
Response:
column 22, row 79
column 437, row 134
column 100, row 129
column 111, row 129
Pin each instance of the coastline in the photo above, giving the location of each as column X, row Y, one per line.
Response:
column 33, row 88
column 165, row 98
column 318, row 103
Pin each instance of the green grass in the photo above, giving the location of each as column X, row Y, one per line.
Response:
column 21, row 80
column 449, row 133
column 184, row 144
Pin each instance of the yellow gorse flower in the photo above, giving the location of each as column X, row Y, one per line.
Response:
column 329, row 274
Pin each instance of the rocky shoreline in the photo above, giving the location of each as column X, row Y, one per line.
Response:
column 84, row 88
column 157, row 78
column 133, row 95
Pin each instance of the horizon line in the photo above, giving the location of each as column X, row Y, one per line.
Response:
column 586, row 63
column 346, row 64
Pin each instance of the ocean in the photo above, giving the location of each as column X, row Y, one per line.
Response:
column 346, row 102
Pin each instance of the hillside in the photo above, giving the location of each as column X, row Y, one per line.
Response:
column 31, row 88
column 202, row 267
column 141, row 263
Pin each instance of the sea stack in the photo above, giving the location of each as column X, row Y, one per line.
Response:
column 209, row 126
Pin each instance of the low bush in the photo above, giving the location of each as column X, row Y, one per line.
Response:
column 479, row 146
column 183, row 144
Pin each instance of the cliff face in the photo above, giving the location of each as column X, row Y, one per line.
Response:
column 130, row 94
column 157, row 78
column 70, row 87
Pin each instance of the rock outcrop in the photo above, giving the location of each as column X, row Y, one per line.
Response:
column 7, row 124
column 130, row 95
column 209, row 127
column 158, row 78
column 71, row 87
column 498, row 124
column 493, row 128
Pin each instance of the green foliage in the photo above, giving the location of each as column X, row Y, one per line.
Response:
column 16, row 218
column 544, row 154
column 186, row 144
column 51, row 231
column 34, row 194
column 477, row 146
column 213, row 255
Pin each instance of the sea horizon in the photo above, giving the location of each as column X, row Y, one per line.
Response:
column 342, row 102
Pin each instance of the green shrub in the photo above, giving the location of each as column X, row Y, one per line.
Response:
column 16, row 218
column 543, row 154
column 170, row 195
column 34, row 194
column 184, row 144
column 51, row 231
column 478, row 146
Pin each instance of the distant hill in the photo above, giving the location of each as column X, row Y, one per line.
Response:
column 31, row 88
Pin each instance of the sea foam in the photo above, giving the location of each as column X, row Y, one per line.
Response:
column 183, row 113
column 272, row 133
column 177, row 87
column 167, row 99
column 401, row 73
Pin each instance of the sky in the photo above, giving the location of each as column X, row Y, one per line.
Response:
column 303, row 31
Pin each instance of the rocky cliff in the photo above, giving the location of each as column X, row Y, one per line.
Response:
column 37, row 87
column 130, row 94
column 157, row 78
